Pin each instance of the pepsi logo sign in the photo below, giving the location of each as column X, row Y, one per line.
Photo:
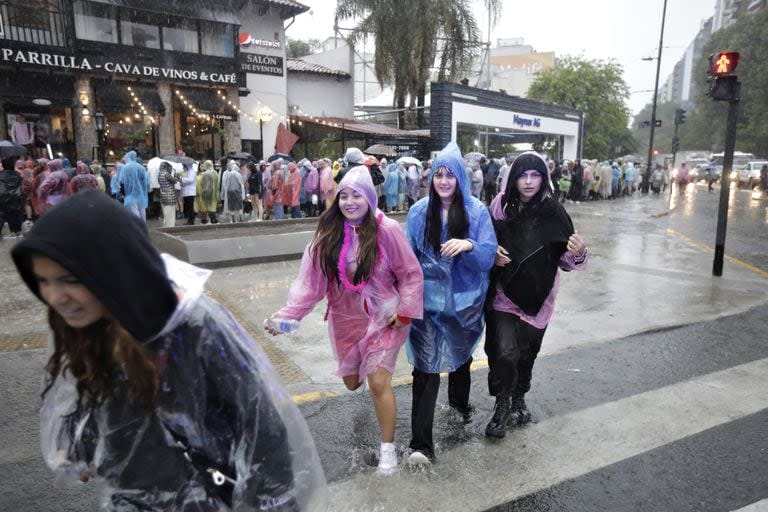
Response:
column 246, row 40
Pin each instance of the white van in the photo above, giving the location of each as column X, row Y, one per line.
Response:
column 750, row 175
column 740, row 161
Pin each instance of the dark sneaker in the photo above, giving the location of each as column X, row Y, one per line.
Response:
column 503, row 416
column 466, row 411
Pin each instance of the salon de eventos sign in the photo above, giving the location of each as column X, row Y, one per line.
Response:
column 97, row 64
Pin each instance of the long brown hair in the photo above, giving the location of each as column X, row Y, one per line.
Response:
column 95, row 354
column 329, row 237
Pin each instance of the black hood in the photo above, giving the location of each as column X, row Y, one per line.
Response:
column 528, row 161
column 109, row 251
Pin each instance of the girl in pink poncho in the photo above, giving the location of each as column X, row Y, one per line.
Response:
column 361, row 261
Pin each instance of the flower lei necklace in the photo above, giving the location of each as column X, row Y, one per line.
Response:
column 342, row 264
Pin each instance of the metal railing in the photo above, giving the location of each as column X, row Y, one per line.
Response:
column 43, row 24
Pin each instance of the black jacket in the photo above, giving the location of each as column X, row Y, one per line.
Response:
column 11, row 195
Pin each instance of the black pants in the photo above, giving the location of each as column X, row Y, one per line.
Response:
column 425, row 388
column 512, row 346
column 189, row 209
column 14, row 218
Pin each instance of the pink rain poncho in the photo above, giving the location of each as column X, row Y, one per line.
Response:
column 357, row 319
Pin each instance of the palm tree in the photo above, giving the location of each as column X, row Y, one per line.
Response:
column 408, row 36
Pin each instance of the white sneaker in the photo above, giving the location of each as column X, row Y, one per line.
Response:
column 387, row 459
column 418, row 459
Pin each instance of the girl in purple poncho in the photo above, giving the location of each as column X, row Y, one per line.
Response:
column 361, row 261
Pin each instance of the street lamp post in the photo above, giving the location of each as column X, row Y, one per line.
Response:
column 264, row 115
column 647, row 177
column 98, row 119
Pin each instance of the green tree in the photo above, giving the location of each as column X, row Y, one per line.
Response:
column 706, row 124
column 409, row 35
column 595, row 87
column 296, row 48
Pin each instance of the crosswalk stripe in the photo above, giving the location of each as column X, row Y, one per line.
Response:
column 759, row 506
column 565, row 447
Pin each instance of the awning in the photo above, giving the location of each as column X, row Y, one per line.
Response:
column 207, row 101
column 356, row 125
column 22, row 88
column 221, row 11
column 115, row 96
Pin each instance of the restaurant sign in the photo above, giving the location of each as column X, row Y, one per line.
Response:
column 98, row 64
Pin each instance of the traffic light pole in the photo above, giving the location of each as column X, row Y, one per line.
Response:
column 647, row 177
column 725, row 187
column 675, row 142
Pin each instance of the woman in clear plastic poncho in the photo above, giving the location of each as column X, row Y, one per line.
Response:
column 146, row 370
column 452, row 235
column 361, row 261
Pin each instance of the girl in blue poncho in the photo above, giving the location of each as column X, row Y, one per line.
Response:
column 452, row 235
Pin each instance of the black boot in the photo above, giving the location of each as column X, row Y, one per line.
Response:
column 503, row 416
column 523, row 414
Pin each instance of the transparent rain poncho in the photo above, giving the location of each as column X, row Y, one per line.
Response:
column 454, row 288
column 218, row 395
column 358, row 315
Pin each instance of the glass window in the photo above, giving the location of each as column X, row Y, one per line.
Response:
column 95, row 22
column 218, row 39
column 181, row 37
column 137, row 30
column 37, row 21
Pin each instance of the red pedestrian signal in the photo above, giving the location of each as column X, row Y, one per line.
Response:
column 723, row 63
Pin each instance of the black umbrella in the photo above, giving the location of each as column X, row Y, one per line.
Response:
column 240, row 155
column 183, row 160
column 10, row 149
column 285, row 157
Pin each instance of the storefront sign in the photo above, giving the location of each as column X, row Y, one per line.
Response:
column 102, row 64
column 526, row 122
column 259, row 64
column 224, row 117
column 246, row 40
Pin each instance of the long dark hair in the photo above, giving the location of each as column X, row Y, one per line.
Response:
column 329, row 237
column 458, row 223
column 95, row 354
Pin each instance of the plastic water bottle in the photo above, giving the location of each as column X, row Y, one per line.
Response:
column 286, row 325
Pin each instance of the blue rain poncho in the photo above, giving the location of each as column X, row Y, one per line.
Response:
column 135, row 181
column 391, row 186
column 454, row 288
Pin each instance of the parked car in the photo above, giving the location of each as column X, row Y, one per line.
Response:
column 749, row 176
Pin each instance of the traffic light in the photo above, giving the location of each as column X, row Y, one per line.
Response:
column 723, row 63
column 725, row 88
column 675, row 144
column 679, row 116
column 724, row 84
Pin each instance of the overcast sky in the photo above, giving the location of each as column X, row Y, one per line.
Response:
column 625, row 30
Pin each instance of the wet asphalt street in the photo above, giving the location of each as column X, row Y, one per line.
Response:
column 649, row 394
